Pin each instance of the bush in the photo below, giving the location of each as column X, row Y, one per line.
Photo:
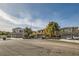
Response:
column 4, row 38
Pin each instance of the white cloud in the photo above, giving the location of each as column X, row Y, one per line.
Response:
column 7, row 17
column 7, row 22
column 5, row 25
column 35, row 24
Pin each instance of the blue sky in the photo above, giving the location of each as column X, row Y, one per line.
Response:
column 37, row 16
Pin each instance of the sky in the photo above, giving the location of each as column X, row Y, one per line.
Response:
column 37, row 15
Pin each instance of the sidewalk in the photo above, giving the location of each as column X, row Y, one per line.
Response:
column 66, row 40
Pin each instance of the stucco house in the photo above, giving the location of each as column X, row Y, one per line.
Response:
column 18, row 32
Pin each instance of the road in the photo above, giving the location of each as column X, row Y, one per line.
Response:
column 33, row 47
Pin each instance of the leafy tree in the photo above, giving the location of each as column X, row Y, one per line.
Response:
column 4, row 33
column 52, row 29
column 27, row 32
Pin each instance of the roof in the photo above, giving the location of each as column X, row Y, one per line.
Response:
column 18, row 28
column 70, row 27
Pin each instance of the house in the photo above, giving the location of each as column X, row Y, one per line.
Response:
column 38, row 34
column 69, row 32
column 18, row 33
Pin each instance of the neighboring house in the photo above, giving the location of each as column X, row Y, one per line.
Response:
column 18, row 33
column 38, row 34
column 65, row 33
column 70, row 32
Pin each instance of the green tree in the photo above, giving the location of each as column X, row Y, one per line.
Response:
column 27, row 32
column 52, row 29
